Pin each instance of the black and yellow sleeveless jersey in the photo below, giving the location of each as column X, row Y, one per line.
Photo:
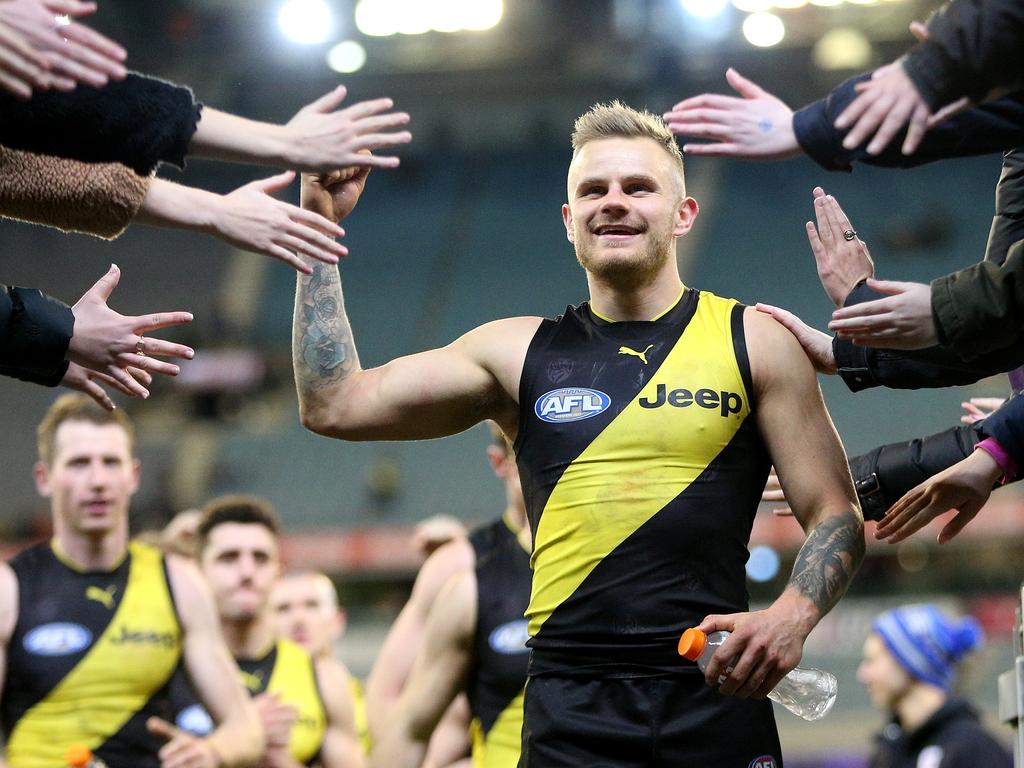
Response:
column 288, row 670
column 89, row 658
column 500, row 656
column 358, row 691
column 642, row 468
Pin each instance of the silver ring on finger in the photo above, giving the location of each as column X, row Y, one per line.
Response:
column 140, row 346
column 849, row 234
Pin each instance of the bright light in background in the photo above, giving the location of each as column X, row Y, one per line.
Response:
column 752, row 6
column 309, row 22
column 481, row 14
column 789, row 5
column 764, row 29
column 763, row 564
column 380, row 18
column 842, row 48
column 346, row 56
column 375, row 19
column 414, row 18
column 826, row 3
column 704, row 9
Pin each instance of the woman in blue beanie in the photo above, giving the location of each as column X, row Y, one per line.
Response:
column 909, row 666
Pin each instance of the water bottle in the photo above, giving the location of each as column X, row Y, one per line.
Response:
column 805, row 691
column 80, row 756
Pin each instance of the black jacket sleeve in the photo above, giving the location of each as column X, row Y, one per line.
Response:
column 974, row 47
column 35, row 331
column 989, row 128
column 1007, row 426
column 882, row 475
column 139, row 122
column 866, row 367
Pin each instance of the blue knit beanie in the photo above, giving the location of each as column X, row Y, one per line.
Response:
column 926, row 642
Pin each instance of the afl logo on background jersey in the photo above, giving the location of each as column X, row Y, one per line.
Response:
column 57, row 639
column 764, row 761
column 510, row 638
column 571, row 404
column 195, row 720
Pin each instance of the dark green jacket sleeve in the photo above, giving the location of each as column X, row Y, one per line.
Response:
column 981, row 309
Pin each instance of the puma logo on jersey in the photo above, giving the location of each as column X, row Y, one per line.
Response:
column 252, row 681
column 642, row 355
column 103, row 596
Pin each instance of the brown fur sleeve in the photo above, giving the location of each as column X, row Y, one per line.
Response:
column 97, row 199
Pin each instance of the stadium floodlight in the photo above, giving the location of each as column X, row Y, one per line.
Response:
column 704, row 9
column 347, row 56
column 843, row 48
column 752, row 6
column 380, row 18
column 480, row 15
column 375, row 19
column 448, row 15
column 307, row 22
column 763, row 29
column 414, row 16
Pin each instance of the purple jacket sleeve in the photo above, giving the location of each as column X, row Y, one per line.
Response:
column 1007, row 426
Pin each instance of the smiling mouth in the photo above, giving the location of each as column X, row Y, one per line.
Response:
column 616, row 231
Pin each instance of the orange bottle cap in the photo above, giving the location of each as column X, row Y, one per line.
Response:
column 691, row 643
column 78, row 756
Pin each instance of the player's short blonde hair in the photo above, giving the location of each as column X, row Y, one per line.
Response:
column 75, row 407
column 618, row 121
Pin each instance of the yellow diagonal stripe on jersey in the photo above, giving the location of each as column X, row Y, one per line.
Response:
column 641, row 461
column 500, row 746
column 131, row 661
column 294, row 678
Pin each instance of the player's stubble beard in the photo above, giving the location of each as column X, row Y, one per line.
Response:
column 637, row 269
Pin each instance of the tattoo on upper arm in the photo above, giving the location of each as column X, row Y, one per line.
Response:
column 324, row 349
column 828, row 560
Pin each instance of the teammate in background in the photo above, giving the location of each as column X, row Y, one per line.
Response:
column 307, row 611
column 910, row 665
column 304, row 703
column 644, row 423
column 474, row 642
column 450, row 741
column 90, row 623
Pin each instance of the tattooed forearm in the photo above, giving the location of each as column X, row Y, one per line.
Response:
column 828, row 560
column 323, row 351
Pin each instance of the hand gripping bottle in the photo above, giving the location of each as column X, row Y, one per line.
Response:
column 80, row 756
column 807, row 692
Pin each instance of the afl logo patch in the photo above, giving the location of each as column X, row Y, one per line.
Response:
column 764, row 761
column 509, row 638
column 195, row 720
column 570, row 404
column 57, row 639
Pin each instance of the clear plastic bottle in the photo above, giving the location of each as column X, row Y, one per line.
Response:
column 80, row 756
column 807, row 692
